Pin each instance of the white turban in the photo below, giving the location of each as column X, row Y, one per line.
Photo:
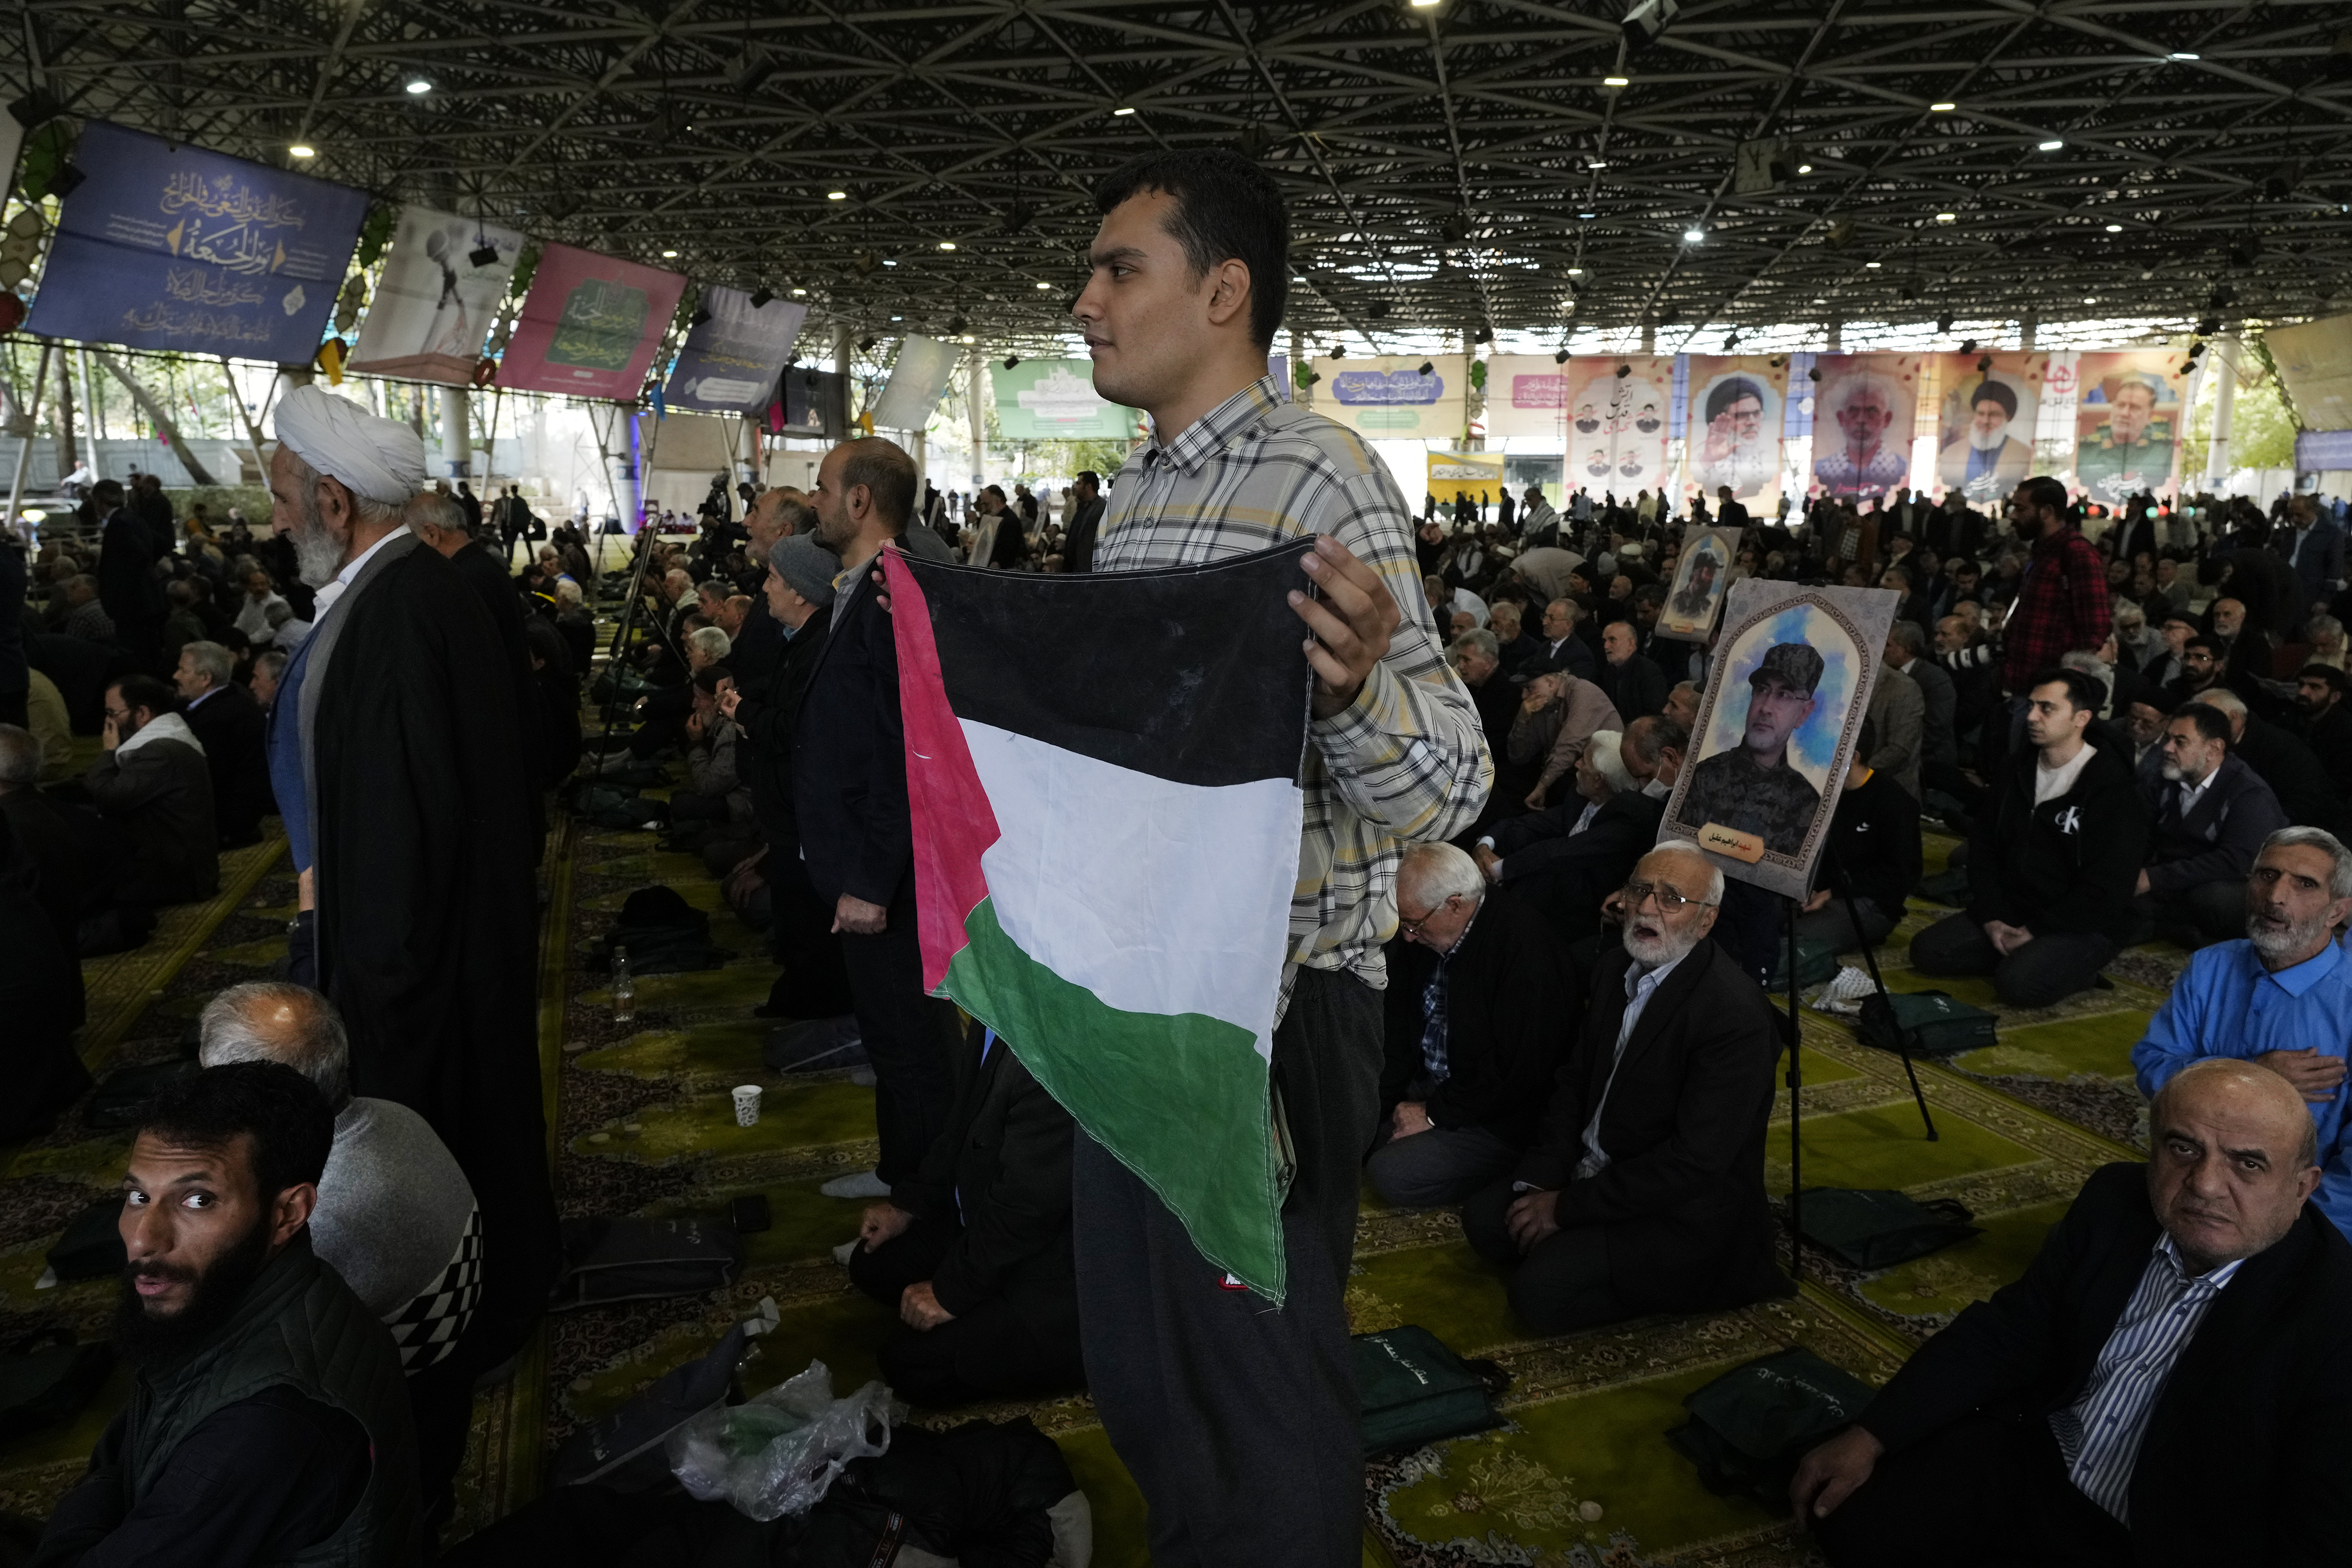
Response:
column 377, row 459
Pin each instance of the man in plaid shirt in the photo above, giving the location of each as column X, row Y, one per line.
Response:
column 1238, row 1419
column 2062, row 605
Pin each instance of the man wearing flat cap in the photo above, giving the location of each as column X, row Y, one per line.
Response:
column 1984, row 459
column 397, row 756
column 1752, row 788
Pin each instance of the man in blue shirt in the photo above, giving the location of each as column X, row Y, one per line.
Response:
column 2280, row 996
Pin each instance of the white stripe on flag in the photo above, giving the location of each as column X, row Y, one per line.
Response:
column 1158, row 897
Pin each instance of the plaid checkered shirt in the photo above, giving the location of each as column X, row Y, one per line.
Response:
column 2062, row 607
column 1407, row 760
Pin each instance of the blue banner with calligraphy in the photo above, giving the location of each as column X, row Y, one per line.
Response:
column 165, row 246
column 731, row 358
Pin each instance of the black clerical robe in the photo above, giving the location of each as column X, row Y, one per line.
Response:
column 428, row 920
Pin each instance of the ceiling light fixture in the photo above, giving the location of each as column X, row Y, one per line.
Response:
column 865, row 344
column 1588, row 215
column 2050, row 146
column 1044, row 285
column 1941, row 108
column 1575, row 272
column 483, row 254
column 1616, row 81
column 419, row 85
column 1948, row 217
column 889, row 261
column 302, row 150
column 2180, row 55
column 969, row 339
column 1422, row 4
column 1692, row 236
column 1873, row 266
column 947, row 245
column 836, row 195
column 1804, row 168
column 799, row 293
column 669, row 256
column 1012, row 360
column 1124, row 110
column 2115, row 228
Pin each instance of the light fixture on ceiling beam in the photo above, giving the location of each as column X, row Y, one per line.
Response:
column 1560, row 357
column 1948, row 217
column 1804, row 168
column 1012, row 360
column 1616, row 81
column 1123, row 110
column 865, row 344
column 302, row 150
column 1428, row 367
column 947, row 245
column 669, row 256
column 2180, row 55
column 1646, row 19
column 836, row 195
column 2052, row 145
column 1044, row 286
column 418, row 87
column 1945, row 108
column 800, row 293
column 2115, row 228
column 1693, row 235
column 483, row 254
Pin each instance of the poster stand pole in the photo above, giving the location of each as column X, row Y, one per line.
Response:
column 1795, row 1078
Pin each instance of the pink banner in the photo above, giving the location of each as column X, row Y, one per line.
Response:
column 591, row 325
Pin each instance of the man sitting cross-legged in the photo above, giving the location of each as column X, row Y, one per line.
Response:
column 395, row 1216
column 1564, row 859
column 1646, row 1190
column 2166, row 1384
column 1479, row 998
column 2280, row 996
column 2212, row 815
column 2052, row 860
column 973, row 1249
column 265, row 1423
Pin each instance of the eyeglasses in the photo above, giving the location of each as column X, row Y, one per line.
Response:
column 1669, row 902
column 1413, row 927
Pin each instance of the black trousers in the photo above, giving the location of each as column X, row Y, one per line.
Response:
column 2042, row 973
column 2209, row 911
column 1560, row 1287
column 992, row 1350
column 1237, row 1418
column 1987, row 1491
column 908, row 1036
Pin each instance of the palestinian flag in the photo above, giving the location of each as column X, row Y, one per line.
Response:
column 1104, row 778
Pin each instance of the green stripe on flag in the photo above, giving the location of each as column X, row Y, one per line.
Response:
column 1180, row 1101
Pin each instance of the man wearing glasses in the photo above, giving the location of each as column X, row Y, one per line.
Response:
column 1644, row 1191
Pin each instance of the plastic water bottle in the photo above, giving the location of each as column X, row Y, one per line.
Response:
column 624, row 988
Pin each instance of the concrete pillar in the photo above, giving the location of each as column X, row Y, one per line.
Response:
column 2225, row 404
column 456, row 436
column 2027, row 327
column 976, row 396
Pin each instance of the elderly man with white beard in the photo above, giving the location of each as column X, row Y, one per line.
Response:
column 1645, row 1190
column 398, row 760
column 2281, row 997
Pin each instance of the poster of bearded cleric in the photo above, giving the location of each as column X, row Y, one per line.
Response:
column 1701, row 578
column 1984, row 427
column 2128, row 422
column 1861, row 426
column 1778, row 730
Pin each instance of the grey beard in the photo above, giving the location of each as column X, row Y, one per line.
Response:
column 1987, row 443
column 2274, row 945
column 317, row 554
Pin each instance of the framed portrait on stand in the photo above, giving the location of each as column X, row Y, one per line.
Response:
column 1701, row 577
column 1794, row 667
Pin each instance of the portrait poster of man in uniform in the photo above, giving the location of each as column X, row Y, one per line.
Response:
column 1861, row 438
column 1701, row 579
column 1985, row 437
column 1776, row 730
column 2127, row 426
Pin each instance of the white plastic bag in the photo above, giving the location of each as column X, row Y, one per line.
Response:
column 777, row 1452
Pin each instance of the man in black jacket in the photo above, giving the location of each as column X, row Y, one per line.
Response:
column 1086, row 520
column 2280, row 760
column 1635, row 685
column 1564, row 859
column 1478, row 1002
column 1871, row 860
column 127, row 585
column 2165, row 1385
column 231, row 726
column 973, row 1249
column 2319, row 692
column 151, row 784
column 1646, row 1193
column 2053, row 859
column 2212, row 813
column 849, row 796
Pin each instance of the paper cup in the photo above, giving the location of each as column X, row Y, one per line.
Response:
column 746, row 1105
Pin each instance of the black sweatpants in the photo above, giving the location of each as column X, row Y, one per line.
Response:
column 1237, row 1418
column 2042, row 973
column 908, row 1036
column 991, row 1350
column 1988, row 1489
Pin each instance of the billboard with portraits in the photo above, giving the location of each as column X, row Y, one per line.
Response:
column 1777, row 728
column 1701, row 579
column 1617, row 415
column 1985, row 420
column 1736, row 405
column 2130, row 415
column 1864, row 409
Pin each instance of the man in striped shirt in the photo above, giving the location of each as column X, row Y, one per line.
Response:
column 1236, row 1418
column 2167, row 1383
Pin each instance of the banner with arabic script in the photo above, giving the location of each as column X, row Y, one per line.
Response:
column 589, row 325
column 730, row 360
column 1617, row 409
column 1055, row 400
column 1395, row 396
column 442, row 286
column 167, row 246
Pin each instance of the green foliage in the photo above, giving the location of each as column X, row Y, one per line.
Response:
column 376, row 233
column 1478, row 373
column 45, row 152
column 1302, row 377
column 2261, row 431
column 525, row 265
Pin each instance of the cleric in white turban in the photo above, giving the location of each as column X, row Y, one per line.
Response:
column 402, row 758
column 340, row 477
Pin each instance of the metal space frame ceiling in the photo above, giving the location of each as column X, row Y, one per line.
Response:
column 1458, row 166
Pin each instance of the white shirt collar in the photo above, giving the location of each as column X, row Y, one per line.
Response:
column 349, row 574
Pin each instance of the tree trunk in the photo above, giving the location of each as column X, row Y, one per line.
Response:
column 197, row 473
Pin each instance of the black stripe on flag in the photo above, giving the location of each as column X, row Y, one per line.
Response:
column 1193, row 674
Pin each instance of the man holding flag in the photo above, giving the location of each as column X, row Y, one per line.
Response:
column 1237, row 1416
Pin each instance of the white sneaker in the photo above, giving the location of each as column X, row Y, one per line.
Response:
column 864, row 1184
column 843, row 1253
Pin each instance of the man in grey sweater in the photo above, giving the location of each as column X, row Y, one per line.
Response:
column 395, row 1216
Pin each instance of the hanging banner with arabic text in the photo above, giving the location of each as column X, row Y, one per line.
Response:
column 164, row 247
column 1617, row 423
column 1055, row 400
column 1864, row 409
column 589, row 325
column 1985, row 420
column 730, row 362
column 919, row 378
column 1391, row 399
column 2130, row 415
column 1737, row 403
column 443, row 282
column 1526, row 395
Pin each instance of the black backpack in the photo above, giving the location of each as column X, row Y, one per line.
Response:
column 1923, row 1023
column 664, row 935
column 1412, row 1390
column 1879, row 1228
column 1749, row 1427
column 607, row 1260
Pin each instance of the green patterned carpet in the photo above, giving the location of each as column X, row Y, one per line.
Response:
column 644, row 1124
